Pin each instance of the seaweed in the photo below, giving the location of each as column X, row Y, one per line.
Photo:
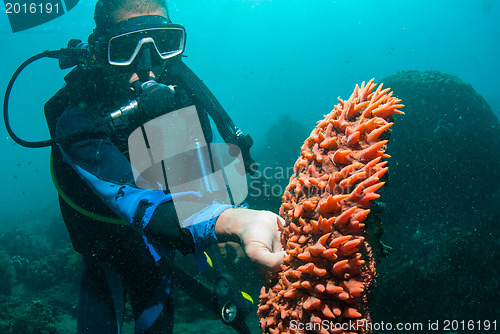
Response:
column 36, row 319
column 7, row 275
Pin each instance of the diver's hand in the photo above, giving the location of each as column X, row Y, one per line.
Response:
column 240, row 253
column 257, row 231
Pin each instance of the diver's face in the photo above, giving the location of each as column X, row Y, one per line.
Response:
column 124, row 76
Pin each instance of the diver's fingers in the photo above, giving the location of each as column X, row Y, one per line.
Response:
column 263, row 258
column 277, row 246
column 240, row 253
column 222, row 249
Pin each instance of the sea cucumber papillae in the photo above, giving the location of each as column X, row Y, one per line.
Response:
column 329, row 265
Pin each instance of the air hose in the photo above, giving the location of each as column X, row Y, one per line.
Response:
column 204, row 97
column 63, row 55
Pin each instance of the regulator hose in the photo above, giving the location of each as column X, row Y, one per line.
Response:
column 56, row 54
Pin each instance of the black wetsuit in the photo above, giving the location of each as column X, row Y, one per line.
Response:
column 115, row 256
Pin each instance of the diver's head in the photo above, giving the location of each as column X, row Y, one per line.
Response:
column 133, row 39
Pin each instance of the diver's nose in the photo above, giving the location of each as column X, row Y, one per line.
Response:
column 144, row 64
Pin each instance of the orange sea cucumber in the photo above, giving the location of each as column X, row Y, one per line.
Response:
column 329, row 265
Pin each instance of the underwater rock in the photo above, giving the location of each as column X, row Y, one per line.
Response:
column 329, row 266
column 275, row 159
column 442, row 203
column 37, row 319
column 22, row 243
column 7, row 274
column 21, row 265
column 447, row 148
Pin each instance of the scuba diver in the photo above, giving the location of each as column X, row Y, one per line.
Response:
column 134, row 74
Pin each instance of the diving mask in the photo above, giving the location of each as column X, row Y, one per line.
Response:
column 122, row 42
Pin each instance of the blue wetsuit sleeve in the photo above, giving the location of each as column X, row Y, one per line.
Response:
column 202, row 227
column 109, row 174
column 105, row 169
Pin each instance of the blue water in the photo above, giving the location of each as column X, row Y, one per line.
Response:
column 261, row 59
